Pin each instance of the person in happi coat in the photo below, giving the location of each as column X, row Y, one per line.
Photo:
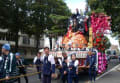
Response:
column 1, row 67
column 21, row 64
column 48, row 67
column 60, row 61
column 73, row 69
column 64, row 72
column 9, row 64
column 92, row 60
column 37, row 61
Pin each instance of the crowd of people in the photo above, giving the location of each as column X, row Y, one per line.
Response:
column 12, row 65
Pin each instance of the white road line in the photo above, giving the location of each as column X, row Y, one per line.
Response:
column 107, row 72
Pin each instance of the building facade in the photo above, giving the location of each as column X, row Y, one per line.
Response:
column 27, row 45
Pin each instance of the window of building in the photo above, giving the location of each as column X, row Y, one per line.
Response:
column 26, row 40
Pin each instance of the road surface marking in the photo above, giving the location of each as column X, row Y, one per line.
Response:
column 107, row 72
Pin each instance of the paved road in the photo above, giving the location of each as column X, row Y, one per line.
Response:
column 83, row 78
column 113, row 76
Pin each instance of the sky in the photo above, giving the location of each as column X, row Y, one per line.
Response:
column 81, row 4
column 73, row 4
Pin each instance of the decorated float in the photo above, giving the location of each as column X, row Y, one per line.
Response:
column 86, row 32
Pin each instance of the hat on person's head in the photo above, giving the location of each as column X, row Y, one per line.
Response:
column 17, row 54
column 6, row 47
column 40, row 51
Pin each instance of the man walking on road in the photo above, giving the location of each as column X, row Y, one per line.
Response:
column 48, row 69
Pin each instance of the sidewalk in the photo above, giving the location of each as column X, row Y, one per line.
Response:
column 113, row 76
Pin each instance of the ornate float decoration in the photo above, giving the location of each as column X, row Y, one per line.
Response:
column 77, row 31
column 74, row 38
column 100, row 24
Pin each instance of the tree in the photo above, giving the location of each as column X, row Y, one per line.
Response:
column 31, row 17
column 59, row 20
column 36, row 20
column 107, row 44
column 13, row 17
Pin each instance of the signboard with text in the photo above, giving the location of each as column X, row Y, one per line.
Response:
column 79, row 54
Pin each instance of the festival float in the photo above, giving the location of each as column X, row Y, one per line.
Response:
column 100, row 24
column 86, row 31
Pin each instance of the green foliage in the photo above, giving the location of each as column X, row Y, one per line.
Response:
column 34, row 17
column 60, row 24
column 13, row 16
column 107, row 44
column 58, row 18
column 46, row 14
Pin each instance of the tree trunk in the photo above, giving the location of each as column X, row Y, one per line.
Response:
column 16, row 41
column 50, row 39
column 37, row 44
